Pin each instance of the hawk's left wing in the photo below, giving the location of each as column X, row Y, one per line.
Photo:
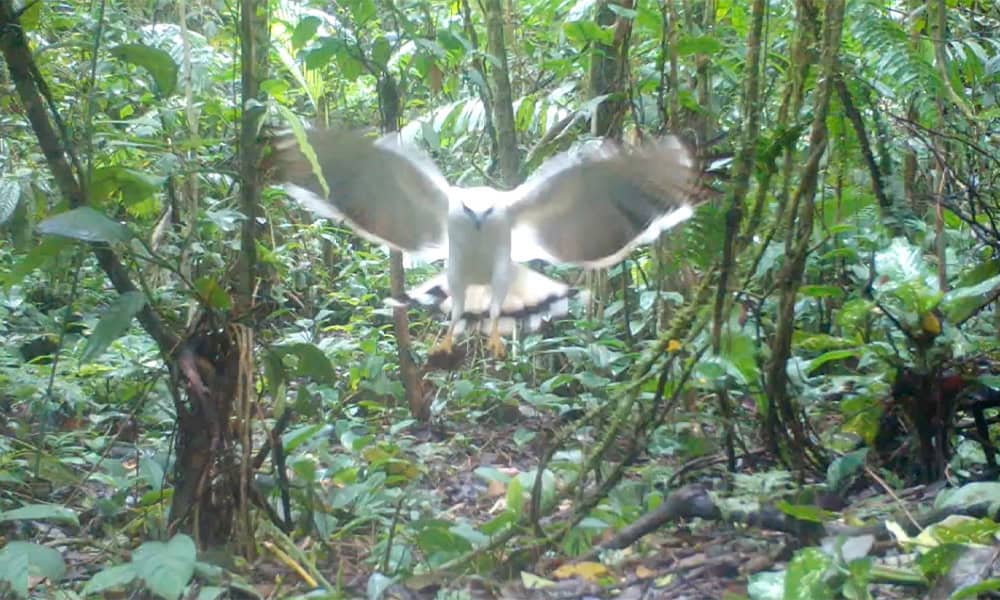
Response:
column 592, row 209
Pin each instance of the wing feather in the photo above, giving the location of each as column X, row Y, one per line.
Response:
column 387, row 193
column 593, row 208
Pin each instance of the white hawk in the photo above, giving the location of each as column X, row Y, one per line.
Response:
column 588, row 208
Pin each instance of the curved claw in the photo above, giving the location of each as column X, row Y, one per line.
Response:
column 445, row 346
column 495, row 344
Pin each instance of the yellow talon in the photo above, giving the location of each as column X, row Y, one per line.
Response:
column 495, row 344
column 445, row 346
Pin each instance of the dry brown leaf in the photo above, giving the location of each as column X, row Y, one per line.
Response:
column 589, row 571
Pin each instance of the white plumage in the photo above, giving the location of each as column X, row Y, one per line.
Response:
column 590, row 209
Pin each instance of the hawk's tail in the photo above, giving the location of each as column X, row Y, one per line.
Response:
column 531, row 299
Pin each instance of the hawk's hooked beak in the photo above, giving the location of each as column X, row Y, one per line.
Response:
column 476, row 219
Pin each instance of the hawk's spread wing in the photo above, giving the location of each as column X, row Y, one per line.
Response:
column 386, row 193
column 592, row 209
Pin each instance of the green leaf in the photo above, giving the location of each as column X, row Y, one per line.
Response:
column 830, row 356
column 822, row 291
column 961, row 302
column 85, row 224
column 969, row 495
column 41, row 255
column 805, row 512
column 304, row 31
column 377, row 585
column 621, row 11
column 702, row 44
column 156, row 61
column 350, row 67
column 766, row 585
column 14, row 571
column 806, row 576
column 41, row 512
column 583, row 32
column 166, row 568
column 42, row 561
column 136, row 187
column 381, row 51
column 152, row 472
column 844, row 469
column 114, row 577
column 312, row 362
column 515, row 496
column 211, row 294
column 19, row 560
column 115, row 322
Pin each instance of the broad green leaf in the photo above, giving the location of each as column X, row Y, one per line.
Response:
column 166, row 568
column 806, row 576
column 938, row 560
column 156, row 61
column 805, row 512
column 845, row 468
column 970, row 494
column 830, row 356
column 135, row 187
column 41, row 255
column 621, row 11
column 115, row 322
column 377, row 585
column 470, row 534
column 304, row 31
column 961, row 302
column 320, row 56
column 515, row 496
column 767, row 585
column 110, row 578
column 350, row 67
column 583, row 32
column 41, row 512
column 14, row 571
column 702, row 44
column 822, row 291
column 152, row 472
column 212, row 294
column 312, row 362
column 212, row 592
column 85, row 224
column 820, row 342
column 974, row 590
column 438, row 540
column 381, row 51
column 292, row 439
column 42, row 561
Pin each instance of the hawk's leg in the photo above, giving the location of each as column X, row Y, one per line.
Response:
column 498, row 293
column 495, row 344
column 447, row 343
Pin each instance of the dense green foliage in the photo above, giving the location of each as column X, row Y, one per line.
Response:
column 656, row 388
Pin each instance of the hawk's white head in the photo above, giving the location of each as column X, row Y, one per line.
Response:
column 476, row 205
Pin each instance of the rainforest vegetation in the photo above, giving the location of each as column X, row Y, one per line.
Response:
column 792, row 394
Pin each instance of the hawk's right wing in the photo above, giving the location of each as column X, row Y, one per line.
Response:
column 387, row 193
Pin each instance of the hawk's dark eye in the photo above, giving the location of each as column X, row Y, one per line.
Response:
column 488, row 212
column 469, row 211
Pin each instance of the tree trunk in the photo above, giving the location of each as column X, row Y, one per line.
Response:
column 608, row 72
column 801, row 213
column 388, row 94
column 253, row 67
column 503, row 107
